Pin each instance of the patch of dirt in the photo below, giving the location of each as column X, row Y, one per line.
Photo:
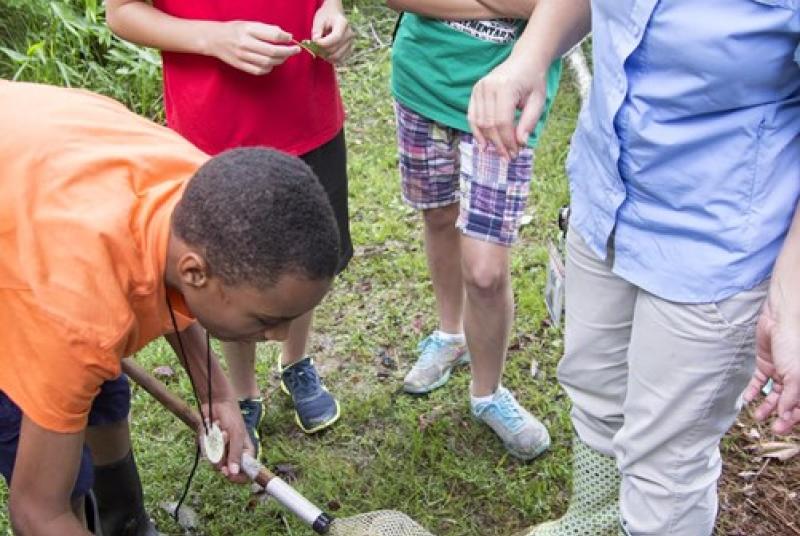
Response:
column 759, row 494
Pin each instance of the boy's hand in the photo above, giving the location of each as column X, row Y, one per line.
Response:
column 251, row 47
column 777, row 357
column 331, row 31
column 229, row 418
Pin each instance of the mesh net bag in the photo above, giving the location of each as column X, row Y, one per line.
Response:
column 378, row 523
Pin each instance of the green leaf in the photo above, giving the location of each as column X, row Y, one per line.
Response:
column 14, row 55
column 311, row 47
column 36, row 49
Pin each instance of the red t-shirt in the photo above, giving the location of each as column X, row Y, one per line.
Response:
column 294, row 108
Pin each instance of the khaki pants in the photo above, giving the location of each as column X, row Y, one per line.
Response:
column 656, row 384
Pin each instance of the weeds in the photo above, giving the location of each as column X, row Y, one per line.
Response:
column 67, row 43
column 422, row 455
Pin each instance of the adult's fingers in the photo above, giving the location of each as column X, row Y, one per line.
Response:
column 769, row 404
column 757, row 382
column 785, row 426
column 790, row 396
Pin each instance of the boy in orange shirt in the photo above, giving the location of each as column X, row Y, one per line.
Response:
column 115, row 231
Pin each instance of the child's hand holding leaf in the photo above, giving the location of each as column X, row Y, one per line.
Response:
column 252, row 47
column 331, row 32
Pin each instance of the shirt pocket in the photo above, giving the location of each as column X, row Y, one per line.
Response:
column 786, row 4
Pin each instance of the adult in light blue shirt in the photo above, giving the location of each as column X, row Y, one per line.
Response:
column 684, row 179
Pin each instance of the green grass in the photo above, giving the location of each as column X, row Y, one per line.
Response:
column 422, row 455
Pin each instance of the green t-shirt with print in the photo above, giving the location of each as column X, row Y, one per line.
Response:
column 436, row 63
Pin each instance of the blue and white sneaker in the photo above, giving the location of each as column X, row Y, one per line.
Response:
column 252, row 409
column 523, row 435
column 437, row 358
column 314, row 407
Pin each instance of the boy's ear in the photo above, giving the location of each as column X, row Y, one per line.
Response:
column 193, row 269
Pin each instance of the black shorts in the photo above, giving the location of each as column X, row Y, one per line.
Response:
column 329, row 162
column 111, row 405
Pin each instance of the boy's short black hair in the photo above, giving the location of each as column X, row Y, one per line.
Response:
column 258, row 213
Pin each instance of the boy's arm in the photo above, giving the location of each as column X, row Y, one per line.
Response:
column 45, row 470
column 463, row 9
column 252, row 47
column 520, row 82
column 778, row 339
column 225, row 407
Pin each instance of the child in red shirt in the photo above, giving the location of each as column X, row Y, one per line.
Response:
column 235, row 75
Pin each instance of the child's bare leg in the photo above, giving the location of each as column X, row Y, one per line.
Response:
column 294, row 347
column 443, row 253
column 489, row 310
column 241, row 360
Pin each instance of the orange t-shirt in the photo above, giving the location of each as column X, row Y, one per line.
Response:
column 87, row 189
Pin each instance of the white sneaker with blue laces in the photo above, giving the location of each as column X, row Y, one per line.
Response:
column 437, row 357
column 523, row 435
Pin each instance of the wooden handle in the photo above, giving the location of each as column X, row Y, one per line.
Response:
column 176, row 405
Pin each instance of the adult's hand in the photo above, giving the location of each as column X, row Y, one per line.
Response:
column 251, row 47
column 778, row 358
column 332, row 32
column 495, row 99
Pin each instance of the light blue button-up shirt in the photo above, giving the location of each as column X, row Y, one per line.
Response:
column 688, row 149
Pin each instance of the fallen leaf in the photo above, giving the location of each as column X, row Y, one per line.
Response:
column 187, row 517
column 748, row 475
column 311, row 47
column 259, row 496
column 365, row 285
column 164, row 371
column 286, row 471
column 334, row 505
column 383, row 375
column 534, row 368
column 423, row 422
column 387, row 360
column 781, row 450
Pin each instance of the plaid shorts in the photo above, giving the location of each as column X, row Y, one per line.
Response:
column 440, row 166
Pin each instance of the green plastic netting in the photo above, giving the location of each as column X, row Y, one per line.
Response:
column 378, row 523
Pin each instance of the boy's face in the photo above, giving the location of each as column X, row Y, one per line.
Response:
column 243, row 313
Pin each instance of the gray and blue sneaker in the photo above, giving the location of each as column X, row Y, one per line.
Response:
column 523, row 435
column 437, row 357
column 314, row 407
column 252, row 409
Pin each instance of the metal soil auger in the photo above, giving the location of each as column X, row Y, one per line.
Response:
column 378, row 523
